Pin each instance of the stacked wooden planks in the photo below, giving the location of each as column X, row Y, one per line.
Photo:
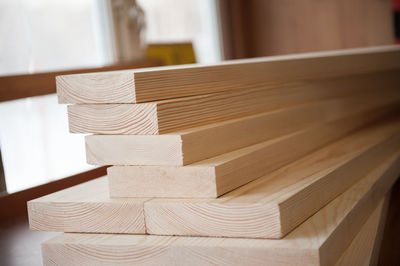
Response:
column 280, row 161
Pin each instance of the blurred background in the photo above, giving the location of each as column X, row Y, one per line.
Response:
column 43, row 38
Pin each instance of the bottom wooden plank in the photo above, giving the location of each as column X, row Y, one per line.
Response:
column 361, row 250
column 320, row 240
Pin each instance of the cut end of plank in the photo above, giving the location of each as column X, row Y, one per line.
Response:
column 66, row 211
column 138, row 119
column 109, row 87
column 134, row 150
column 133, row 86
column 170, row 181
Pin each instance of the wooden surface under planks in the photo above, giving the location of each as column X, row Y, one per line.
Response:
column 320, row 240
column 196, row 144
column 167, row 116
column 197, row 250
column 66, row 245
column 218, row 175
column 136, row 86
column 271, row 206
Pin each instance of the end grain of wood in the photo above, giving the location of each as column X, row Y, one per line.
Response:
column 320, row 240
column 179, row 114
column 152, row 84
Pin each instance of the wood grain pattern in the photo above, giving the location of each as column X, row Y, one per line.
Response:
column 30, row 85
column 215, row 176
column 196, row 144
column 86, row 208
column 333, row 226
column 178, row 114
column 360, row 251
column 269, row 207
column 136, row 86
column 274, row 204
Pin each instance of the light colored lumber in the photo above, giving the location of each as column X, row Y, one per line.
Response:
column 192, row 145
column 29, row 85
column 360, row 251
column 320, row 240
column 274, row 204
column 376, row 250
column 267, row 208
column 136, row 86
column 86, row 208
column 182, row 113
column 215, row 176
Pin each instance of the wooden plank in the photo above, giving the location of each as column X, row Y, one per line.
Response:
column 360, row 251
column 86, row 208
column 136, row 86
column 276, row 203
column 318, row 241
column 196, row 144
column 178, row 114
column 388, row 251
column 29, row 85
column 218, row 175
column 376, row 249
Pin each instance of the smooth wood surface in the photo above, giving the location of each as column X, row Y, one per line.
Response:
column 274, row 204
column 361, row 250
column 215, row 176
column 29, row 85
column 136, row 86
column 388, row 253
column 376, row 249
column 192, row 145
column 269, row 207
column 318, row 241
column 178, row 114
column 86, row 208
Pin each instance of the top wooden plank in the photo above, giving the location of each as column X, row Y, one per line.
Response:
column 151, row 84
column 29, row 85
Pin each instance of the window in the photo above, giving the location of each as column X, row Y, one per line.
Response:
column 47, row 35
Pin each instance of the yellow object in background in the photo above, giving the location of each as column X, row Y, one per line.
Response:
column 172, row 53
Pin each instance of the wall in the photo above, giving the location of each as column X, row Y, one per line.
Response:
column 270, row 27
